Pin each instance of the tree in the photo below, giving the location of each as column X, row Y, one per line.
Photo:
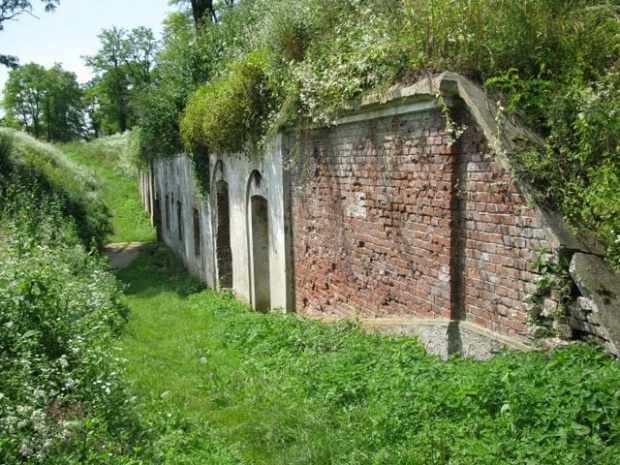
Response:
column 10, row 9
column 142, row 48
column 45, row 102
column 63, row 107
column 92, row 107
column 185, row 61
column 23, row 96
column 123, row 65
column 109, row 65
column 202, row 9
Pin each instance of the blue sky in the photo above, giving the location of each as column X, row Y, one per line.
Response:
column 71, row 31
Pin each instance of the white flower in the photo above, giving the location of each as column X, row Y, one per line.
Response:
column 63, row 362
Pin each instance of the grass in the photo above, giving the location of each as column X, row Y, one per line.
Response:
column 276, row 389
column 164, row 345
column 72, row 185
column 105, row 158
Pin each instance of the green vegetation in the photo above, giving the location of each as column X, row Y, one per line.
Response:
column 285, row 390
column 112, row 162
column 122, row 66
column 73, row 187
column 61, row 394
column 236, row 104
column 44, row 102
column 64, row 398
column 555, row 62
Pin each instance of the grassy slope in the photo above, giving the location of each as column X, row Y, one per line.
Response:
column 288, row 391
column 120, row 191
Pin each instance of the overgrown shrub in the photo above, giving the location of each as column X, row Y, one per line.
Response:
column 61, row 394
column 224, row 114
column 578, row 172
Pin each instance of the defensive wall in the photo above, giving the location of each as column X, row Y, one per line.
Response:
column 404, row 213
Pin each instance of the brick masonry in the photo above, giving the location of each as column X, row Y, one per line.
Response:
column 394, row 217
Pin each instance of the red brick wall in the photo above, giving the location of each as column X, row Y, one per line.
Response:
column 390, row 219
column 499, row 239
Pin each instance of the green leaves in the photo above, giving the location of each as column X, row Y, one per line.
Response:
column 377, row 394
column 60, row 381
column 45, row 102
column 223, row 115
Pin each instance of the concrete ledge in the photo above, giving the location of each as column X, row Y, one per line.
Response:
column 444, row 337
column 440, row 336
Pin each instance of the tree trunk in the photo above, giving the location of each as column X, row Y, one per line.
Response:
column 200, row 8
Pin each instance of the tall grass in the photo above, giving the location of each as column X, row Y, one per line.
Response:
column 74, row 187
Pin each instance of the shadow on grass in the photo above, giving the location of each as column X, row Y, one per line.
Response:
column 158, row 270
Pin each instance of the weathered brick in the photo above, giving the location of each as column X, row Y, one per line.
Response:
column 397, row 259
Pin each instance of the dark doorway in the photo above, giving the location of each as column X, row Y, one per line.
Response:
column 197, row 241
column 180, row 220
column 260, row 253
column 222, row 236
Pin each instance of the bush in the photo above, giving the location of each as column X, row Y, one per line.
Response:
column 579, row 171
column 223, row 115
column 61, row 393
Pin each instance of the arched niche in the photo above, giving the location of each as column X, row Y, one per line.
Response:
column 221, row 218
column 259, row 243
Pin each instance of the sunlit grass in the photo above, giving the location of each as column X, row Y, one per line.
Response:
column 283, row 390
column 120, row 189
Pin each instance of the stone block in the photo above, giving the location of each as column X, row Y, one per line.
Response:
column 598, row 282
column 563, row 330
column 578, row 313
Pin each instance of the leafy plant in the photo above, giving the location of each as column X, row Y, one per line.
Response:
column 61, row 391
column 223, row 115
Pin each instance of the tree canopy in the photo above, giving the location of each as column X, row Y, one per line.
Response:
column 123, row 65
column 45, row 102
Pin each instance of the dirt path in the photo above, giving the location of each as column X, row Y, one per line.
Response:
column 121, row 254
